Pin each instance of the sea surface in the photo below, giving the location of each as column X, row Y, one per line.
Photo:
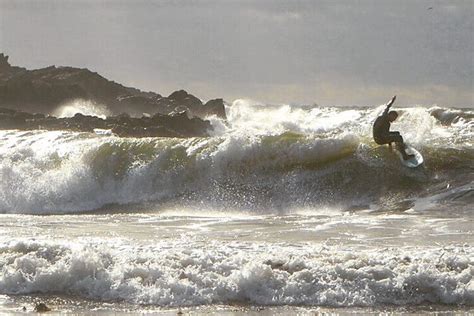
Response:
column 284, row 209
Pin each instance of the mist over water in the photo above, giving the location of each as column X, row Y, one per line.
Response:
column 282, row 205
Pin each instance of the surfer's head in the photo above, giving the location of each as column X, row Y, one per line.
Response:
column 392, row 116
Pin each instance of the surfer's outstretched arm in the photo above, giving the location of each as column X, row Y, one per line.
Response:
column 389, row 104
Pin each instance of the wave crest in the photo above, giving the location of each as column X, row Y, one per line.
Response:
column 245, row 165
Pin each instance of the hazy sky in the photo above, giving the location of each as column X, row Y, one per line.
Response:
column 327, row 52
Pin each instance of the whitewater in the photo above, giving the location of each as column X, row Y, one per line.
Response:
column 283, row 208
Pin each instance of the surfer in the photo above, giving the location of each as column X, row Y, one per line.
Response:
column 382, row 134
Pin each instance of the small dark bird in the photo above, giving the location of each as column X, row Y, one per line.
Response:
column 430, row 8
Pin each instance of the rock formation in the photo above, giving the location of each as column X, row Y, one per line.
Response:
column 177, row 124
column 44, row 90
column 41, row 308
column 181, row 100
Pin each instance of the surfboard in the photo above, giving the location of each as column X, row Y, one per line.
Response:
column 412, row 162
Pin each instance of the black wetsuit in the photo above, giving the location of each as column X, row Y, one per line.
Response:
column 381, row 130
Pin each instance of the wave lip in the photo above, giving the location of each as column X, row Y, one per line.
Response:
column 233, row 273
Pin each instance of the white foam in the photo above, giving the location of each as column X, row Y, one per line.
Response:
column 84, row 107
column 44, row 172
column 183, row 273
column 253, row 118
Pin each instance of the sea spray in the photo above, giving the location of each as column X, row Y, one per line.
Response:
column 85, row 107
column 298, row 156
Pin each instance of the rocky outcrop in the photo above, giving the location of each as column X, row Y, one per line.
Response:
column 177, row 124
column 44, row 90
column 183, row 101
column 42, row 308
column 4, row 64
column 7, row 70
column 214, row 107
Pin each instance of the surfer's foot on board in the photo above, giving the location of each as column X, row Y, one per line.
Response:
column 401, row 148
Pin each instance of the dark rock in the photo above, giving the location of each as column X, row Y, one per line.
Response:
column 20, row 115
column 13, row 119
column 7, row 111
column 139, row 103
column 44, row 90
column 214, row 107
column 124, row 115
column 85, row 123
column 181, row 97
column 4, row 61
column 180, row 121
column 160, row 125
column 42, row 308
column 178, row 101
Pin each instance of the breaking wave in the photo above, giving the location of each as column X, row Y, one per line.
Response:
column 263, row 157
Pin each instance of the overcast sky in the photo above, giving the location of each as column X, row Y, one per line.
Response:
column 325, row 52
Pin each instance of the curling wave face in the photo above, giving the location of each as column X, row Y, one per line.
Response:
column 262, row 158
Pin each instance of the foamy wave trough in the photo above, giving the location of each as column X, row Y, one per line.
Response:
column 236, row 272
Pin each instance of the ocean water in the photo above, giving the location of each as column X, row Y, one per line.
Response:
column 284, row 209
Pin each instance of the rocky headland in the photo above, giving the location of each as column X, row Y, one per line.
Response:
column 28, row 98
